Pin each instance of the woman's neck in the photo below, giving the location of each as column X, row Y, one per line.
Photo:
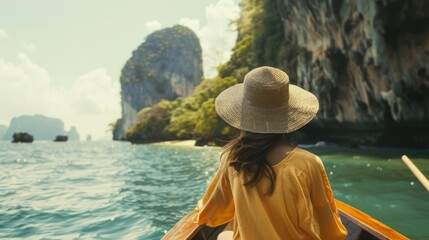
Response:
column 279, row 152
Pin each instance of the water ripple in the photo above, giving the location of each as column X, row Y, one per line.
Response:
column 115, row 190
column 97, row 190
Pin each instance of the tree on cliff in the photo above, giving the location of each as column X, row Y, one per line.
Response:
column 192, row 117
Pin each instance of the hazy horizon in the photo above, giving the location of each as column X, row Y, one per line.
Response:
column 62, row 59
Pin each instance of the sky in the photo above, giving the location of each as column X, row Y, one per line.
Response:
column 62, row 58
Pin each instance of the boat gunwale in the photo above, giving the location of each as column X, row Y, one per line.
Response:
column 186, row 228
column 368, row 223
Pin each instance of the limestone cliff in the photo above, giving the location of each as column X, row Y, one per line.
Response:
column 167, row 65
column 366, row 61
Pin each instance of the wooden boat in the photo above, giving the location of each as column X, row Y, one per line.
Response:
column 360, row 226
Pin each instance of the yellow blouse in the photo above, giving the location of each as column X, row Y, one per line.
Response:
column 302, row 205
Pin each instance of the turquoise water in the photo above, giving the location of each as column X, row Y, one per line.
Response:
column 114, row 190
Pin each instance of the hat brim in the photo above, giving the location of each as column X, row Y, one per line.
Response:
column 294, row 114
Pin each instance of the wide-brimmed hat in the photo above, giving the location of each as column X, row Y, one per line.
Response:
column 266, row 103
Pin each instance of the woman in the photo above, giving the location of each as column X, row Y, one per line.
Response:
column 266, row 187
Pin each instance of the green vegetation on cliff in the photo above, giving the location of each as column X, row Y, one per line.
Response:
column 259, row 42
column 152, row 122
column 191, row 117
column 155, row 50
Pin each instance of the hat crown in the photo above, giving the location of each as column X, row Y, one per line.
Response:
column 266, row 77
column 266, row 87
column 266, row 103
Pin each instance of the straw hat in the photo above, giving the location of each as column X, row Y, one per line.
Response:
column 266, row 103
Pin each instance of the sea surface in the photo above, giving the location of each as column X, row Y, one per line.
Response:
column 116, row 190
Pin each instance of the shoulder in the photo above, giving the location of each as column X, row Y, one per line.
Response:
column 305, row 161
column 303, row 157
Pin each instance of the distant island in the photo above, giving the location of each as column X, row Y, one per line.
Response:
column 41, row 127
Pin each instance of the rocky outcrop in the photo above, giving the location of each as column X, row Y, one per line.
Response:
column 167, row 65
column 22, row 137
column 89, row 138
column 41, row 127
column 367, row 62
column 61, row 138
column 73, row 135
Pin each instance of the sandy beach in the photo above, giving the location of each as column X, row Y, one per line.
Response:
column 184, row 143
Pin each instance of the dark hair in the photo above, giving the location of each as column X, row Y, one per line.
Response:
column 247, row 152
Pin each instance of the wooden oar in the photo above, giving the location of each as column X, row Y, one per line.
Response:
column 419, row 175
